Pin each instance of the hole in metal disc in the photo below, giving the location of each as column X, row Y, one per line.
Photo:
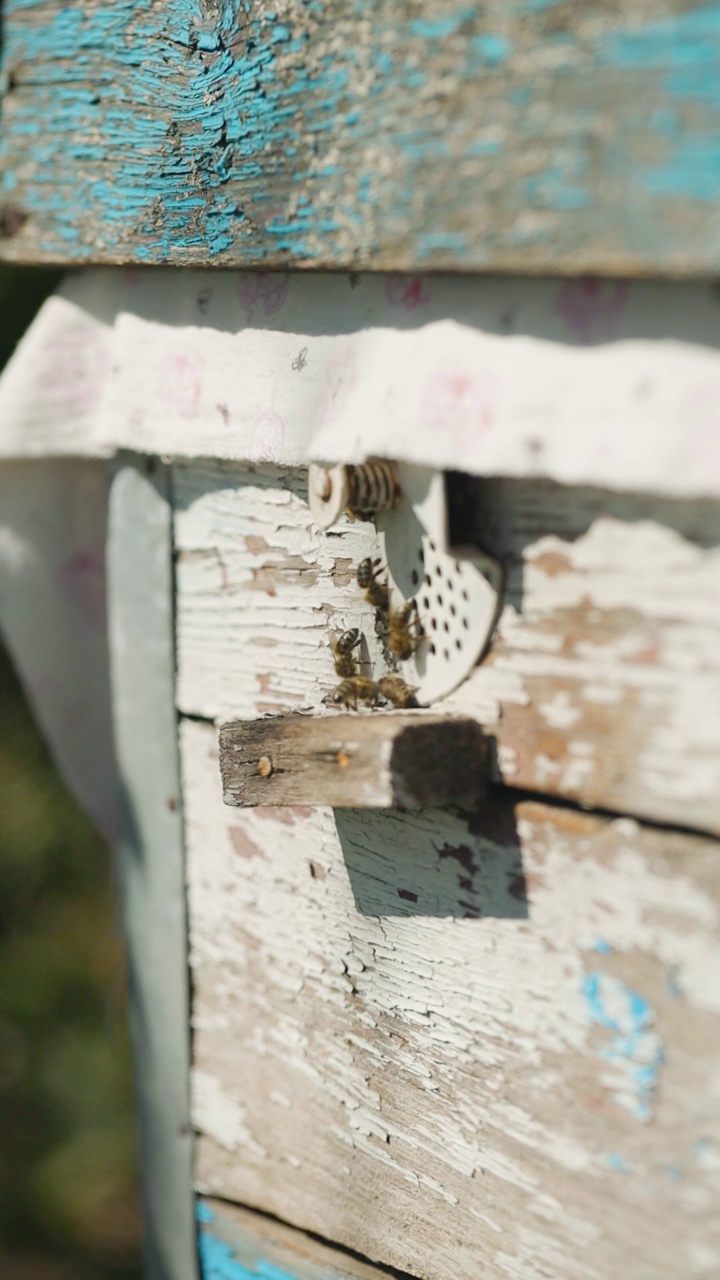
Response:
column 426, row 603
column 446, row 654
column 433, row 623
column 453, row 610
column 458, row 644
column 427, row 579
column 432, row 648
column 466, row 624
column 446, row 626
column 431, row 545
column 465, row 595
column 414, row 577
column 439, row 600
column 438, row 571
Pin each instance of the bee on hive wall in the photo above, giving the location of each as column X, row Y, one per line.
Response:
column 404, row 631
column 376, row 593
column 342, row 647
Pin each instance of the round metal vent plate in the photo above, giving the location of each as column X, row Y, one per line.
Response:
column 456, row 594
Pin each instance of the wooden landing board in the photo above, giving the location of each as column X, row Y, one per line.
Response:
column 382, row 760
column 602, row 683
column 236, row 1244
column 537, row 135
column 463, row 1045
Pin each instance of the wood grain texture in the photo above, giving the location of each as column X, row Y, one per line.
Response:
column 536, row 135
column 236, row 1244
column 464, row 1045
column 602, row 683
column 376, row 760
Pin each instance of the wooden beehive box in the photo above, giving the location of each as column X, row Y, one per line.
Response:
column 447, row 1010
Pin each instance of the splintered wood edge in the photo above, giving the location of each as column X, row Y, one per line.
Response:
column 366, row 761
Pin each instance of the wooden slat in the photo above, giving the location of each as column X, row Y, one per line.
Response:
column 518, row 137
column 602, row 683
column 465, row 1045
column 236, row 1244
column 380, row 760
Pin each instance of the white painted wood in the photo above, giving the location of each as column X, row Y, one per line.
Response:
column 612, row 383
column 464, row 1046
column 602, row 684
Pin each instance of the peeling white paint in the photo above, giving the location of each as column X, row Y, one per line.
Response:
column 612, row 636
column 440, row 1055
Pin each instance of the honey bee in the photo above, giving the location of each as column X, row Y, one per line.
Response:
column 376, row 592
column 342, row 651
column 404, row 631
column 353, row 690
column 395, row 690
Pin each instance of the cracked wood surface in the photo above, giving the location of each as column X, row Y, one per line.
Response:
column 602, row 682
column 530, row 136
column 461, row 1044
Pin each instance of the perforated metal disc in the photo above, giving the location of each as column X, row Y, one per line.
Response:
column 456, row 595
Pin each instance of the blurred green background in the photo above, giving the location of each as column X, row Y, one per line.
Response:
column 68, row 1176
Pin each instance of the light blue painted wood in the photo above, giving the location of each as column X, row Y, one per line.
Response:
column 536, row 134
column 151, row 855
column 236, row 1244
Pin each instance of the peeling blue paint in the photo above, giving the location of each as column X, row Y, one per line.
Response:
column 684, row 50
column 492, row 49
column 441, row 28
column 219, row 1261
column 602, row 947
column 630, row 1018
column 225, row 132
column 617, row 1162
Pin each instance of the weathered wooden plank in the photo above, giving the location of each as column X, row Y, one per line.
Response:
column 602, row 683
column 464, row 1045
column 151, row 855
column 517, row 137
column 384, row 760
column 236, row 1244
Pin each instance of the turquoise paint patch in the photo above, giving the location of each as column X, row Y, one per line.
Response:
column 684, row 50
column 602, row 947
column 684, row 40
column 492, row 49
column 435, row 242
column 617, row 1162
column 555, row 190
column 630, row 1018
column 218, row 1261
column 441, row 28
